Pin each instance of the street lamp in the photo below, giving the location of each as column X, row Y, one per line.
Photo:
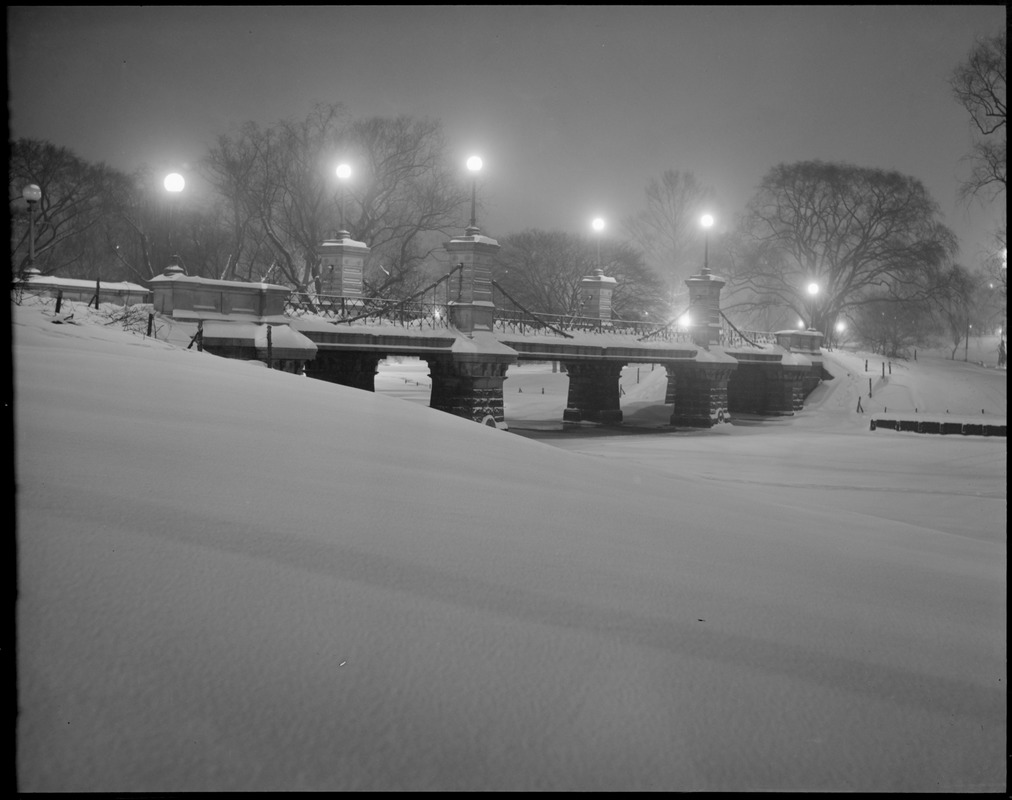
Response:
column 32, row 194
column 707, row 222
column 813, row 290
column 343, row 173
column 474, row 164
column 598, row 225
column 174, row 184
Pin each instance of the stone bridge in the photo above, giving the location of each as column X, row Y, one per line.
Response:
column 469, row 334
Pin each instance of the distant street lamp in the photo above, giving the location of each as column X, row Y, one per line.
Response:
column 474, row 164
column 598, row 225
column 707, row 222
column 841, row 326
column 32, row 194
column 343, row 173
column 174, row 184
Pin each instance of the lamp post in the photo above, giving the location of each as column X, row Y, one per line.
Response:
column 707, row 222
column 598, row 225
column 32, row 194
column 474, row 164
column 813, row 290
column 174, row 183
column 343, row 173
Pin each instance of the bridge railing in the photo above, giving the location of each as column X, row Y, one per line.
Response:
column 512, row 317
column 425, row 309
column 730, row 336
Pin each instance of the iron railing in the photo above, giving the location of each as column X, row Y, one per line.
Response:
column 730, row 336
column 511, row 316
column 427, row 308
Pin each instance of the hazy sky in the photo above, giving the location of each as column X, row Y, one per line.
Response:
column 573, row 108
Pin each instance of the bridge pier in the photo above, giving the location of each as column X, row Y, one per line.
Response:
column 698, row 392
column 594, row 391
column 345, row 367
column 766, row 387
column 470, row 387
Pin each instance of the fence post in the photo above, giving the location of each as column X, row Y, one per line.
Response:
column 270, row 353
column 59, row 299
column 869, row 387
column 151, row 322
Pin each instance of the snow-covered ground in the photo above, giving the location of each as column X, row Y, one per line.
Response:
column 231, row 578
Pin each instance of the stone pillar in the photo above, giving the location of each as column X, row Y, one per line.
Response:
column 704, row 307
column 699, row 393
column 473, row 308
column 470, row 387
column 593, row 391
column 345, row 367
column 595, row 296
column 342, row 264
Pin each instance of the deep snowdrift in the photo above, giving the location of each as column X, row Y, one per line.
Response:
column 237, row 579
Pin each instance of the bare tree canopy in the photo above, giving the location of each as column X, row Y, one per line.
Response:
column 544, row 269
column 77, row 203
column 284, row 199
column 668, row 230
column 979, row 86
column 857, row 234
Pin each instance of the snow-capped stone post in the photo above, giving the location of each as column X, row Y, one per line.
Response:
column 342, row 263
column 704, row 307
column 595, row 296
column 473, row 309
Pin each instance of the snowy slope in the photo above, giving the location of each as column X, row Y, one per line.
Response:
column 238, row 579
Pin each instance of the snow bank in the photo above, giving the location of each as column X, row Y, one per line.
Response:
column 235, row 579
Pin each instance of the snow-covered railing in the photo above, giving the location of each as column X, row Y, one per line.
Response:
column 426, row 308
column 513, row 317
column 730, row 336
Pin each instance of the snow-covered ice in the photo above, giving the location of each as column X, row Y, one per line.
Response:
column 231, row 579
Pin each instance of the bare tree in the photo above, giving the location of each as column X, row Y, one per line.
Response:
column 78, row 201
column 859, row 234
column 954, row 307
column 668, row 230
column 979, row 85
column 544, row 270
column 411, row 198
column 279, row 183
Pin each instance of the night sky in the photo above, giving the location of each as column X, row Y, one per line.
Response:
column 573, row 108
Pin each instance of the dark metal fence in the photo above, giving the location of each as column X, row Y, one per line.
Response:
column 424, row 309
column 429, row 309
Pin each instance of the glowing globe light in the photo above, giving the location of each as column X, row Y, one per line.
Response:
column 706, row 220
column 597, row 224
column 174, row 182
column 474, row 163
column 813, row 289
column 343, row 171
